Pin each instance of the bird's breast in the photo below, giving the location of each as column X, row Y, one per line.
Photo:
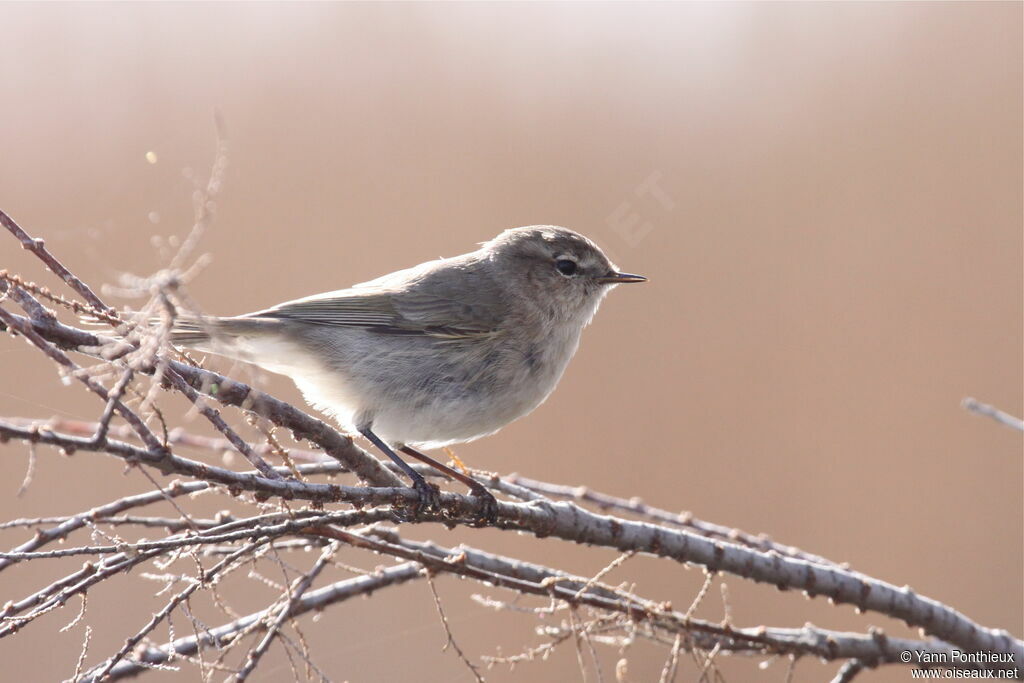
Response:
column 472, row 390
column 432, row 392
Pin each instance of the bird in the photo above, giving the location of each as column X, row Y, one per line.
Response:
column 441, row 353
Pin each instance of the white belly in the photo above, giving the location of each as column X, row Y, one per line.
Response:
column 406, row 401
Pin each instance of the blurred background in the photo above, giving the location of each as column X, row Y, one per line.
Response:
column 826, row 198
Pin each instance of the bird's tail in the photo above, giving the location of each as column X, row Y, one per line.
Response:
column 219, row 335
column 192, row 332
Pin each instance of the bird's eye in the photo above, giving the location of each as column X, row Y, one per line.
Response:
column 566, row 267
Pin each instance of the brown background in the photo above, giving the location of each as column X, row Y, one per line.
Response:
column 836, row 265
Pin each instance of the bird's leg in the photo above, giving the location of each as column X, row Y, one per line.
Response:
column 453, row 456
column 428, row 493
column 488, row 504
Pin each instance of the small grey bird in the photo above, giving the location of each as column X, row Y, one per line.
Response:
column 441, row 353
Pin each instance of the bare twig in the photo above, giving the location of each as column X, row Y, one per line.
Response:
column 38, row 247
column 218, row 422
column 312, row 600
column 448, row 630
column 668, row 673
column 103, row 426
column 80, row 664
column 848, row 671
column 286, row 610
column 30, row 471
column 18, row 323
column 180, row 437
column 80, row 520
column 211, row 575
column 231, row 392
column 975, row 406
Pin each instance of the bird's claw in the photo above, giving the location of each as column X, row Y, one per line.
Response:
column 488, row 512
column 429, row 497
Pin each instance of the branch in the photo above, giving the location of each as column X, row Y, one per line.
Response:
column 218, row 422
column 570, row 522
column 973, row 405
column 685, row 520
column 288, row 609
column 180, row 437
column 124, row 556
column 524, row 577
column 61, row 531
column 38, row 247
column 233, row 393
column 168, row 463
column 222, row 636
column 181, row 597
column 138, row 426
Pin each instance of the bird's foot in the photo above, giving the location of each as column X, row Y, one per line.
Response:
column 488, row 512
column 429, row 497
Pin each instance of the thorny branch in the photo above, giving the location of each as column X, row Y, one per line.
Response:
column 279, row 510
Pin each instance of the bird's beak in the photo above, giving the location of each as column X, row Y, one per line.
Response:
column 620, row 278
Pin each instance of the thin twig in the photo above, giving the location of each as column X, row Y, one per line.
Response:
column 668, row 673
column 30, row 471
column 17, row 323
column 848, row 671
column 221, row 426
column 211, row 575
column 38, row 247
column 448, row 630
column 286, row 610
column 975, row 406
column 312, row 600
column 80, row 520
column 80, row 664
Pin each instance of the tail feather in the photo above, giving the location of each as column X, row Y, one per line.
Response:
column 217, row 334
column 190, row 333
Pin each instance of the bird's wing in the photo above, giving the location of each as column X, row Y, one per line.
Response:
column 448, row 308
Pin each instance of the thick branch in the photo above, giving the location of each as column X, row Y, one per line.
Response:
column 524, row 577
column 685, row 520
